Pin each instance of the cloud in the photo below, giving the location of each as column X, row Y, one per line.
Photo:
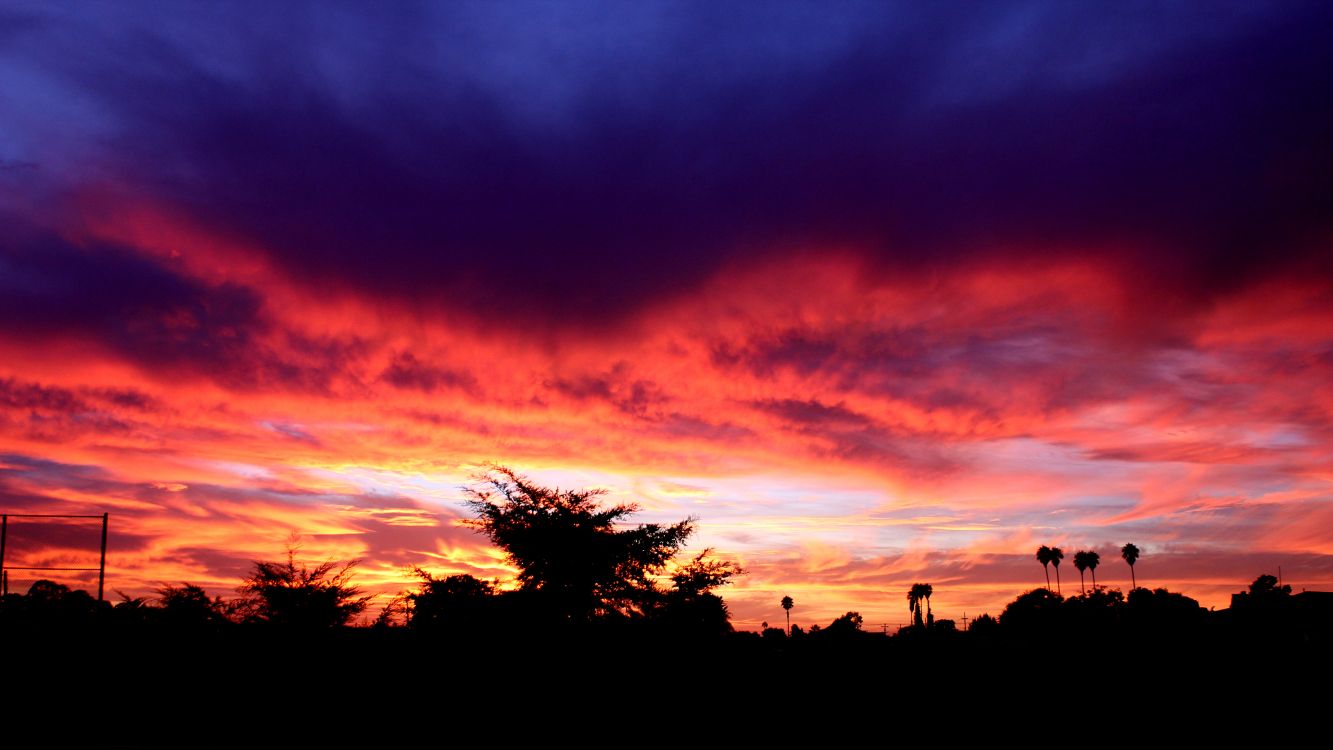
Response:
column 1197, row 161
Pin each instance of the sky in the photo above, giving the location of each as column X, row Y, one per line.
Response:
column 879, row 293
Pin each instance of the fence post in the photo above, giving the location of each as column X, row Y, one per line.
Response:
column 101, row 566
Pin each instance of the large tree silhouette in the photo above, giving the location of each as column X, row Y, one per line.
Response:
column 787, row 604
column 1093, row 560
column 570, row 550
column 1131, row 555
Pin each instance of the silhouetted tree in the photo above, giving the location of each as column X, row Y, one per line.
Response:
column 1093, row 560
column 1131, row 555
column 1264, row 591
column 847, row 625
column 568, row 549
column 918, row 593
column 189, row 607
column 1158, row 612
column 1265, row 587
column 1035, row 611
column 1081, row 562
column 787, row 604
column 300, row 597
column 1057, row 555
column 690, row 608
column 51, row 604
column 703, row 574
column 456, row 603
column 1044, row 557
column 984, row 624
column 930, row 616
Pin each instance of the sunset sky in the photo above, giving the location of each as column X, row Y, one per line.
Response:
column 880, row 293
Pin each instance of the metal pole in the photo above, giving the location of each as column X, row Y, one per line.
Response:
column 4, row 534
column 101, row 567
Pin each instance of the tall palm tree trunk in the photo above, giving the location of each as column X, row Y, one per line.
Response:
column 1058, row 590
column 1094, row 579
column 1133, row 582
column 789, row 622
column 1081, row 583
column 1048, row 577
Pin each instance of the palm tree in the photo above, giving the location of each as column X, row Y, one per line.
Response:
column 1093, row 559
column 787, row 605
column 930, row 616
column 915, row 595
column 1131, row 555
column 1044, row 557
column 1057, row 555
column 1081, row 562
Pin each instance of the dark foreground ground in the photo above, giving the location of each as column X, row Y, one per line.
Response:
column 359, row 687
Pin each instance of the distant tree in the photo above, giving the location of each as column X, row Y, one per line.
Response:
column 1263, row 592
column 984, row 624
column 455, row 603
column 1093, row 560
column 1081, row 562
column 569, row 549
column 1265, row 587
column 131, row 611
column 1131, row 555
column 300, row 597
column 1035, row 611
column 1057, row 555
column 188, row 606
column 690, row 608
column 1159, row 611
column 848, row 624
column 55, row 604
column 1044, row 557
column 787, row 604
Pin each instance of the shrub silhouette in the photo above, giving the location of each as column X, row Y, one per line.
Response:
column 456, row 603
column 299, row 597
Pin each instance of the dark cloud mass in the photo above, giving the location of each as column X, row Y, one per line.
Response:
column 919, row 137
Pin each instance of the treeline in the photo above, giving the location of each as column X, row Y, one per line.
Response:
column 582, row 573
